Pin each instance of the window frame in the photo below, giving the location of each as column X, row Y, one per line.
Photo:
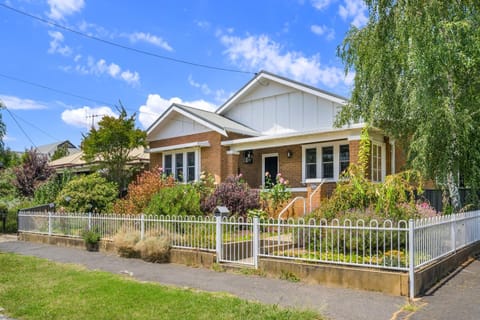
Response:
column 319, row 157
column 185, row 166
column 381, row 172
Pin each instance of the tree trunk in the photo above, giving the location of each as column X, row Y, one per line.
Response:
column 453, row 192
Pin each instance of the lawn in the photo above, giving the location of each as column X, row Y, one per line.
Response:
column 32, row 288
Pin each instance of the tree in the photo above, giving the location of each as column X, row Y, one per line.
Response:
column 33, row 171
column 110, row 146
column 60, row 153
column 417, row 77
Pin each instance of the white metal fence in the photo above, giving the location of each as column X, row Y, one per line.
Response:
column 384, row 245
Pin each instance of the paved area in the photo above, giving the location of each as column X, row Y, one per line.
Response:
column 335, row 303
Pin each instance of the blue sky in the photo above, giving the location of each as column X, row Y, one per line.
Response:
column 296, row 39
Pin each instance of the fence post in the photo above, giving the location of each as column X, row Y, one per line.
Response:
column 142, row 226
column 218, row 220
column 256, row 241
column 89, row 221
column 49, row 223
column 411, row 258
column 453, row 230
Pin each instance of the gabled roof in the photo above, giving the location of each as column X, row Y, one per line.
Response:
column 263, row 76
column 209, row 119
column 49, row 149
column 75, row 161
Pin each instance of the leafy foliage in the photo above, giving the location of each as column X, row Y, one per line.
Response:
column 2, row 126
column 9, row 158
column 141, row 191
column 90, row 193
column 417, row 74
column 33, row 171
column 393, row 199
column 180, row 200
column 235, row 194
column 7, row 188
column 110, row 145
column 276, row 195
column 48, row 191
column 60, row 153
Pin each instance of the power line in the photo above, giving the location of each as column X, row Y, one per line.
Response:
column 118, row 45
column 20, row 127
column 54, row 90
column 67, row 93
column 34, row 126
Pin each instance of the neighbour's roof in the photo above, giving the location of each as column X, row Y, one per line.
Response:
column 75, row 160
column 49, row 149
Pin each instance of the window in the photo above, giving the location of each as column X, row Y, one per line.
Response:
column 376, row 162
column 167, row 164
column 311, row 163
column 179, row 166
column 182, row 165
column 344, row 157
column 327, row 162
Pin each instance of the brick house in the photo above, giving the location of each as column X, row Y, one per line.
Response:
column 271, row 124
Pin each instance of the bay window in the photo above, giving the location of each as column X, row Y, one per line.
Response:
column 183, row 165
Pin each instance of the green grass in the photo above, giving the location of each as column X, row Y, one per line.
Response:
column 32, row 288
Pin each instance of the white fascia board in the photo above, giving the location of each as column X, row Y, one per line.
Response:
column 188, row 115
column 282, row 81
column 200, row 144
column 289, row 139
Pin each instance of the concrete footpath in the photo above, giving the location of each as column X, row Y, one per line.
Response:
column 335, row 303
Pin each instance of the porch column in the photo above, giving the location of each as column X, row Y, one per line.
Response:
column 231, row 164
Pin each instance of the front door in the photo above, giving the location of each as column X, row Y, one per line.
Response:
column 270, row 165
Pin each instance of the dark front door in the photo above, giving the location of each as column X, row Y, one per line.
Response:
column 271, row 166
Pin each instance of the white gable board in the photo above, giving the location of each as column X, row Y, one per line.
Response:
column 276, row 109
column 177, row 126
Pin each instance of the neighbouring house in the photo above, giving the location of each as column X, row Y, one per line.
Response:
column 75, row 164
column 49, row 150
column 272, row 124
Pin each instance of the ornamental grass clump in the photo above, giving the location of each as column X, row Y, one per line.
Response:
column 125, row 242
column 154, row 249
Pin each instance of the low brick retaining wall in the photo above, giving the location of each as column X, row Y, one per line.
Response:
column 388, row 282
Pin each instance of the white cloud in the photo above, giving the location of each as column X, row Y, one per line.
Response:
column 354, row 9
column 219, row 94
column 149, row 38
column 156, row 105
column 260, row 52
column 321, row 4
column 61, row 8
column 16, row 103
column 102, row 67
column 323, row 30
column 203, row 24
column 82, row 117
column 56, row 44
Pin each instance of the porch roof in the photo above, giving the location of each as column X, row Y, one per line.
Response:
column 350, row 133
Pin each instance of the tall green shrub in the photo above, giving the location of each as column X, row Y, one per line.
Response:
column 90, row 193
column 180, row 200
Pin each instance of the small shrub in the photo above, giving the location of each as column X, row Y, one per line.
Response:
column 154, row 249
column 125, row 242
column 234, row 194
column 181, row 200
column 275, row 195
column 141, row 191
column 48, row 191
column 90, row 236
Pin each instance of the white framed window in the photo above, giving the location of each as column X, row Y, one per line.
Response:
column 184, row 165
column 325, row 160
column 378, row 161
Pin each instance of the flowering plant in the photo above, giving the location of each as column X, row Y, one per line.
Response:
column 275, row 193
